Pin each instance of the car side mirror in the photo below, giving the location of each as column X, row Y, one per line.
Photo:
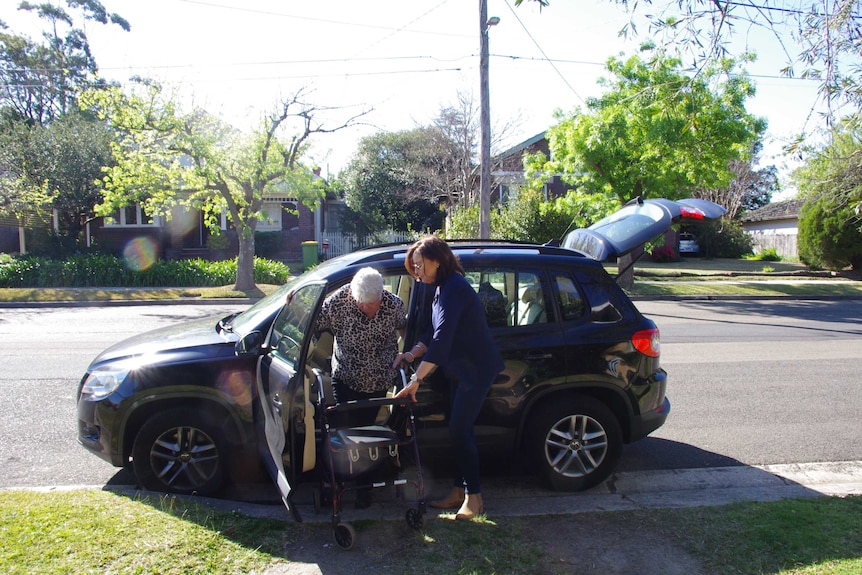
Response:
column 251, row 345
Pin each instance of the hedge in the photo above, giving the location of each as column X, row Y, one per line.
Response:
column 95, row 270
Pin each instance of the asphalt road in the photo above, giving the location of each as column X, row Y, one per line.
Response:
column 752, row 383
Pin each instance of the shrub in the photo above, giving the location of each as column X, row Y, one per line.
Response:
column 663, row 254
column 829, row 234
column 723, row 239
column 95, row 270
column 765, row 255
column 267, row 244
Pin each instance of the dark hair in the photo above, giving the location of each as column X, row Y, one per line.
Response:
column 434, row 249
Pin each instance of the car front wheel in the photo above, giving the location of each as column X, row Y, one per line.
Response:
column 575, row 443
column 179, row 452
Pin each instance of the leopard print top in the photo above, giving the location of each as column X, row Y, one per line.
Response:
column 364, row 348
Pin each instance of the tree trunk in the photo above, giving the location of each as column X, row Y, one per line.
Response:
column 626, row 268
column 245, row 264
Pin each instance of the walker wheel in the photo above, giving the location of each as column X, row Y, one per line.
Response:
column 344, row 535
column 414, row 518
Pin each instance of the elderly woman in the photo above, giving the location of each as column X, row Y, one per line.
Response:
column 460, row 342
column 364, row 320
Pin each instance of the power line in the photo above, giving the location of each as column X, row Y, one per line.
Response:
column 548, row 60
column 324, row 20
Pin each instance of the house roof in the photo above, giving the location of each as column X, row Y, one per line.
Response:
column 786, row 210
column 519, row 148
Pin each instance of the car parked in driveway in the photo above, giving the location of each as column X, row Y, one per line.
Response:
column 184, row 405
column 688, row 244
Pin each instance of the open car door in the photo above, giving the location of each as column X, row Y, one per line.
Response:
column 635, row 224
column 284, row 387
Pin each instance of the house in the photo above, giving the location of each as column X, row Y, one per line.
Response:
column 508, row 169
column 774, row 226
column 185, row 235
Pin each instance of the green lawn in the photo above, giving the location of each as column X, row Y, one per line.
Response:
column 87, row 531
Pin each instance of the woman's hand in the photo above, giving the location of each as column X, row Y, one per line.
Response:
column 402, row 360
column 410, row 390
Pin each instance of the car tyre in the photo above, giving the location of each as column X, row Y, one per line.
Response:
column 575, row 443
column 178, row 451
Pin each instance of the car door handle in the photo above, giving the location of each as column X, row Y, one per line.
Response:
column 537, row 355
column 276, row 403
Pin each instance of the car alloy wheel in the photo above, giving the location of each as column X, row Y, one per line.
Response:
column 177, row 451
column 577, row 442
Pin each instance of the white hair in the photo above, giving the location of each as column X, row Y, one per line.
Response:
column 367, row 286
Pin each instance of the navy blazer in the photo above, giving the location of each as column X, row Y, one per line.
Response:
column 459, row 340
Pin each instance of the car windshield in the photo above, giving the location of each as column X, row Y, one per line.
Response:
column 253, row 317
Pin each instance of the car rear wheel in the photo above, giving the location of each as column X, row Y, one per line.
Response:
column 179, row 452
column 575, row 443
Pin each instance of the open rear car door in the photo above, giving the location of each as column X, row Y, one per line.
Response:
column 635, row 224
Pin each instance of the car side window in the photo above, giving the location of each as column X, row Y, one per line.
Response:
column 511, row 298
column 570, row 300
column 293, row 322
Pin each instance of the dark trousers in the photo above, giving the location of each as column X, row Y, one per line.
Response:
column 467, row 398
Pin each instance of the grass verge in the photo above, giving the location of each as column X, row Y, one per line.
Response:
column 87, row 531
column 127, row 294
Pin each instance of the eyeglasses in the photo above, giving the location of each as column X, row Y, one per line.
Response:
column 418, row 267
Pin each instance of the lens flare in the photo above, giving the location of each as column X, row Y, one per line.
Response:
column 140, row 253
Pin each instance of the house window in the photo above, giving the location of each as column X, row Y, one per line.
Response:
column 271, row 221
column 131, row 216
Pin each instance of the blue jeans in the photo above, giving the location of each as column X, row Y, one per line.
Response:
column 467, row 398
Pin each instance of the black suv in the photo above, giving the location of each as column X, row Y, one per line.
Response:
column 186, row 404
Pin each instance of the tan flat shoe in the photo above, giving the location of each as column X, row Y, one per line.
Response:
column 472, row 507
column 451, row 501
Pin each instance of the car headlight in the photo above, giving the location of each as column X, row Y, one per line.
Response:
column 102, row 382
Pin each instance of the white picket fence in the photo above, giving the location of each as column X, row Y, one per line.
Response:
column 336, row 243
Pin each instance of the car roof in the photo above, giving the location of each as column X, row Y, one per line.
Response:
column 465, row 249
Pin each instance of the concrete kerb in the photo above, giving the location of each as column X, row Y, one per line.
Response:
column 623, row 491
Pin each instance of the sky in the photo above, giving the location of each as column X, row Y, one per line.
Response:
column 399, row 61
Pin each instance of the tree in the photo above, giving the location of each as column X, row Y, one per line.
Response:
column 40, row 81
column 529, row 217
column 655, row 132
column 394, row 179
column 830, row 181
column 749, row 189
column 821, row 40
column 55, row 165
column 19, row 194
column 458, row 180
column 166, row 157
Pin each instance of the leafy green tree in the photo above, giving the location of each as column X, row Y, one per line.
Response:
column 39, row 81
column 392, row 181
column 63, row 159
column 655, row 132
column 822, row 40
column 20, row 194
column 830, row 180
column 165, row 158
column 529, row 217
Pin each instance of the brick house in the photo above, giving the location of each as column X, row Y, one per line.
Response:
column 185, row 235
column 508, row 169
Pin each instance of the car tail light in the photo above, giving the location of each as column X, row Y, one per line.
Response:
column 647, row 342
column 691, row 213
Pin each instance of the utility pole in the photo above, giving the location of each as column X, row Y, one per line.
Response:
column 485, row 123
